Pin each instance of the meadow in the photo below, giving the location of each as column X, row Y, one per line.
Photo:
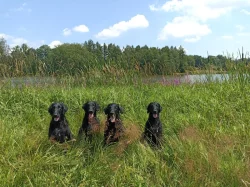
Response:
column 206, row 135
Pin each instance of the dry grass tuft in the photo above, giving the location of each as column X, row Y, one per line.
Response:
column 131, row 135
column 191, row 133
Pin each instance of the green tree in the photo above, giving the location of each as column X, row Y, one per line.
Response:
column 4, row 48
column 182, row 60
column 5, row 58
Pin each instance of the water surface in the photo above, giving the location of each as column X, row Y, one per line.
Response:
column 165, row 80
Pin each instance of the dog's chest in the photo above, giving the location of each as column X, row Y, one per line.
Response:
column 59, row 125
column 93, row 124
column 154, row 127
column 113, row 126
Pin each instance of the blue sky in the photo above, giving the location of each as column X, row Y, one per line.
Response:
column 216, row 26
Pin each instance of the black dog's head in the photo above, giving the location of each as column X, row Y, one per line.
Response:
column 154, row 109
column 113, row 112
column 90, row 108
column 57, row 111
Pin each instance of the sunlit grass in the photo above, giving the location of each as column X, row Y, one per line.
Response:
column 206, row 136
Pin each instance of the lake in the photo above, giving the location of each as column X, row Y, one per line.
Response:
column 165, row 80
column 187, row 79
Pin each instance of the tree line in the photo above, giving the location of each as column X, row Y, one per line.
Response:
column 75, row 58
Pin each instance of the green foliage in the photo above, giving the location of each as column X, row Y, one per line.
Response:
column 75, row 59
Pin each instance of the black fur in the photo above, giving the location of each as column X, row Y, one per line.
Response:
column 114, row 128
column 153, row 128
column 59, row 127
column 90, row 123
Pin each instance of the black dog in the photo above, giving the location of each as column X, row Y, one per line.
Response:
column 114, row 129
column 59, row 127
column 153, row 127
column 90, row 123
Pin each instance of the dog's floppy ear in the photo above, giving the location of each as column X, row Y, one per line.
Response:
column 97, row 106
column 148, row 108
column 65, row 108
column 84, row 106
column 50, row 108
column 121, row 109
column 160, row 108
column 106, row 110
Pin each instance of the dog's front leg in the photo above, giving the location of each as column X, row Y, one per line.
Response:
column 69, row 134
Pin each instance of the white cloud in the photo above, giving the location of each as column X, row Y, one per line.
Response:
column 194, row 7
column 240, row 27
column 22, row 8
column 36, row 44
column 243, row 34
column 192, row 40
column 5, row 36
column 81, row 28
column 138, row 21
column 55, row 43
column 13, row 41
column 66, row 32
column 197, row 13
column 202, row 10
column 245, row 12
column 186, row 51
column 227, row 37
column 18, row 41
column 153, row 8
column 184, row 27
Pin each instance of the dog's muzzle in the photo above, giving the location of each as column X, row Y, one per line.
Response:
column 155, row 114
column 56, row 117
column 91, row 114
column 112, row 118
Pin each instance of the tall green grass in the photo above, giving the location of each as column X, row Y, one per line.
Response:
column 206, row 135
